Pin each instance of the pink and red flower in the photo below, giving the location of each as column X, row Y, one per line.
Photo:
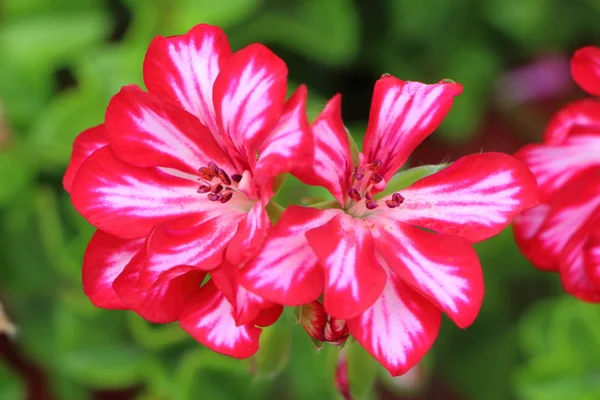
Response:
column 390, row 263
column 562, row 234
column 177, row 180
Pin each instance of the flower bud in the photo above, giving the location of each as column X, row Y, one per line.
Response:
column 321, row 326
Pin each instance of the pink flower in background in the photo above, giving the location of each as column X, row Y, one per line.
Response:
column 379, row 270
column 177, row 180
column 563, row 233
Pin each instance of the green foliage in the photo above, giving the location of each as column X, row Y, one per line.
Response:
column 94, row 47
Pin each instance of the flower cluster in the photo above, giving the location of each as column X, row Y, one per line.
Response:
column 179, row 182
column 562, row 234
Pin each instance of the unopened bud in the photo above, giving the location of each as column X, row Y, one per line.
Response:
column 322, row 327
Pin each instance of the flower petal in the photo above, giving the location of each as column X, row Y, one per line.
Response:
column 353, row 277
column 554, row 166
column 585, row 68
column 443, row 268
column 402, row 115
column 592, row 256
column 200, row 245
column 476, row 197
column 580, row 116
column 332, row 157
column 208, row 318
column 289, row 147
column 249, row 95
column 126, row 201
column 84, row 145
column 269, row 316
column 184, row 68
column 574, row 272
column 148, row 132
column 161, row 304
column 399, row 328
column 572, row 208
column 525, row 226
column 286, row 270
column 250, row 235
column 105, row 258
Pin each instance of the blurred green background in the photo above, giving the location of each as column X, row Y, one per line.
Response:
column 62, row 60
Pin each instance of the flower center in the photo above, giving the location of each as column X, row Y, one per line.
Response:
column 217, row 185
column 364, row 179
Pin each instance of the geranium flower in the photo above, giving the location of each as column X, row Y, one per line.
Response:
column 563, row 233
column 177, row 180
column 379, row 270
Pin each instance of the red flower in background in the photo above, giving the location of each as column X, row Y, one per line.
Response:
column 378, row 269
column 177, row 179
column 563, row 233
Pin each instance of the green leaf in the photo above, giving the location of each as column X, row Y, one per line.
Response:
column 11, row 385
column 405, row 178
column 274, row 351
column 155, row 337
column 16, row 174
column 362, row 371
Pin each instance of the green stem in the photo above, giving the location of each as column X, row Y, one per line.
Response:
column 326, row 204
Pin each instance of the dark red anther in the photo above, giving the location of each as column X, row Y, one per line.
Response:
column 359, row 173
column 217, row 188
column 371, row 204
column 353, row 194
column 226, row 196
column 368, row 196
column 391, row 203
column 236, row 178
column 224, row 177
column 397, row 198
column 214, row 196
column 214, row 169
column 203, row 189
column 205, row 173
column 376, row 178
column 376, row 165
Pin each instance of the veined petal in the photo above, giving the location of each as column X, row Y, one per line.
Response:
column 289, row 147
column 581, row 116
column 161, row 304
column 249, row 95
column 574, row 272
column 286, row 269
column 84, row 145
column 332, row 157
column 592, row 256
column 572, row 208
column 126, row 201
column 443, row 268
column 585, row 68
column 148, row 132
column 399, row 328
column 525, row 227
column 184, row 69
column 554, row 166
column 269, row 316
column 198, row 246
column 251, row 233
column 105, row 258
column 353, row 277
column 476, row 197
column 208, row 317
column 402, row 115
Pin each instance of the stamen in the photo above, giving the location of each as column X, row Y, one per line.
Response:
column 203, row 189
column 214, row 196
column 376, row 178
column 359, row 173
column 371, row 204
column 205, row 173
column 353, row 194
column 376, row 165
column 391, row 203
column 397, row 198
column 217, row 188
column 224, row 177
column 236, row 178
column 226, row 196
column 368, row 196
column 213, row 168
